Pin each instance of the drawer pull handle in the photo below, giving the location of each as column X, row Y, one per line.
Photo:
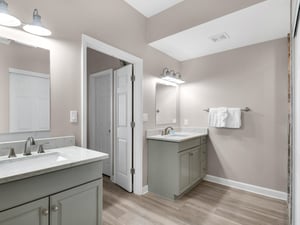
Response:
column 45, row 212
column 55, row 208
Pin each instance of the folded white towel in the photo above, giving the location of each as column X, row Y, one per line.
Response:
column 217, row 117
column 234, row 118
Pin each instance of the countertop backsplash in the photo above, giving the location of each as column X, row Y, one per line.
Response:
column 49, row 143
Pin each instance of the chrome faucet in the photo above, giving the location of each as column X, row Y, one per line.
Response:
column 28, row 145
column 168, row 129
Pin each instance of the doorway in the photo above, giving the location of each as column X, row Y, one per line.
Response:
column 100, row 115
column 137, row 137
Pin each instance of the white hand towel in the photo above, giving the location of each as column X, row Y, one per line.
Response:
column 217, row 117
column 234, row 118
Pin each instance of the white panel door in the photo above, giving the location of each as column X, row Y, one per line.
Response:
column 123, row 130
column 100, row 115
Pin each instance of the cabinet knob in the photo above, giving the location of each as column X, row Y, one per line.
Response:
column 45, row 212
column 55, row 208
column 191, row 153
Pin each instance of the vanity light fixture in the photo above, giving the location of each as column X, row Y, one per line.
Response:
column 172, row 76
column 5, row 18
column 35, row 27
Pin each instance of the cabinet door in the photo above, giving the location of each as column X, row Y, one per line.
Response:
column 195, row 165
column 203, row 160
column 77, row 206
column 34, row 213
column 184, row 179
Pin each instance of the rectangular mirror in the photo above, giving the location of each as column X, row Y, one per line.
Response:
column 24, row 88
column 166, row 104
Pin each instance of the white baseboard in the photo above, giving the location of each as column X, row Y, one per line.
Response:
column 145, row 189
column 112, row 178
column 248, row 187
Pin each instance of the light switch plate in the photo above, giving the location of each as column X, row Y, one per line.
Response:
column 185, row 122
column 145, row 117
column 73, row 116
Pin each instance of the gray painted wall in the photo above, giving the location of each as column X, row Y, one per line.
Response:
column 97, row 62
column 254, row 76
column 195, row 12
column 113, row 22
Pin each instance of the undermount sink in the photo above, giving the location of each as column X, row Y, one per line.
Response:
column 176, row 137
column 40, row 163
column 179, row 134
column 22, row 164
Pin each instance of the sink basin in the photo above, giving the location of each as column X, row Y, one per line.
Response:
column 22, row 164
column 179, row 135
column 55, row 159
column 176, row 137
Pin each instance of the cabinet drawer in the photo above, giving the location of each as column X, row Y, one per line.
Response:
column 188, row 144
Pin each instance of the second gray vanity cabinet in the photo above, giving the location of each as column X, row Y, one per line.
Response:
column 175, row 167
column 34, row 213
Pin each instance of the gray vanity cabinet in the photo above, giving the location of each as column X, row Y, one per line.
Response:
column 175, row 167
column 78, row 206
column 34, row 213
column 71, row 196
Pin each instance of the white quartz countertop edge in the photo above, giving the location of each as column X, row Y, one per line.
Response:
column 90, row 156
column 171, row 138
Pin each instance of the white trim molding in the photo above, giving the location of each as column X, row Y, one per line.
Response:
column 145, row 189
column 89, row 42
column 29, row 73
column 247, row 187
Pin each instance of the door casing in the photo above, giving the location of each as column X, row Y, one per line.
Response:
column 89, row 42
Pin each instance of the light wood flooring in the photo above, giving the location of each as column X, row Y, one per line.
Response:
column 207, row 204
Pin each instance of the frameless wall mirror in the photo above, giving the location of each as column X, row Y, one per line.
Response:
column 166, row 104
column 24, row 88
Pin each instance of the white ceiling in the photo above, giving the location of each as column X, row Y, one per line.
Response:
column 262, row 22
column 152, row 7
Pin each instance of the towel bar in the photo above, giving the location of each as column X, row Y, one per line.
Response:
column 246, row 109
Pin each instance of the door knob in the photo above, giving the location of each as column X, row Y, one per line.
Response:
column 45, row 212
column 55, row 208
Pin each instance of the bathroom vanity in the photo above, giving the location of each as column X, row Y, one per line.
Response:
column 60, row 187
column 176, row 163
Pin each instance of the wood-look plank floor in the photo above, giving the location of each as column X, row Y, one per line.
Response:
column 206, row 204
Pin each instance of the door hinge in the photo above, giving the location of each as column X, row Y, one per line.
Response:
column 132, row 171
column 132, row 78
column 132, row 124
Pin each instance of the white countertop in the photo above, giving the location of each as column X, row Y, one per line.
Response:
column 177, row 137
column 54, row 159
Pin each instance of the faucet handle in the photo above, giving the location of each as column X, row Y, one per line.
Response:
column 41, row 148
column 12, row 153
